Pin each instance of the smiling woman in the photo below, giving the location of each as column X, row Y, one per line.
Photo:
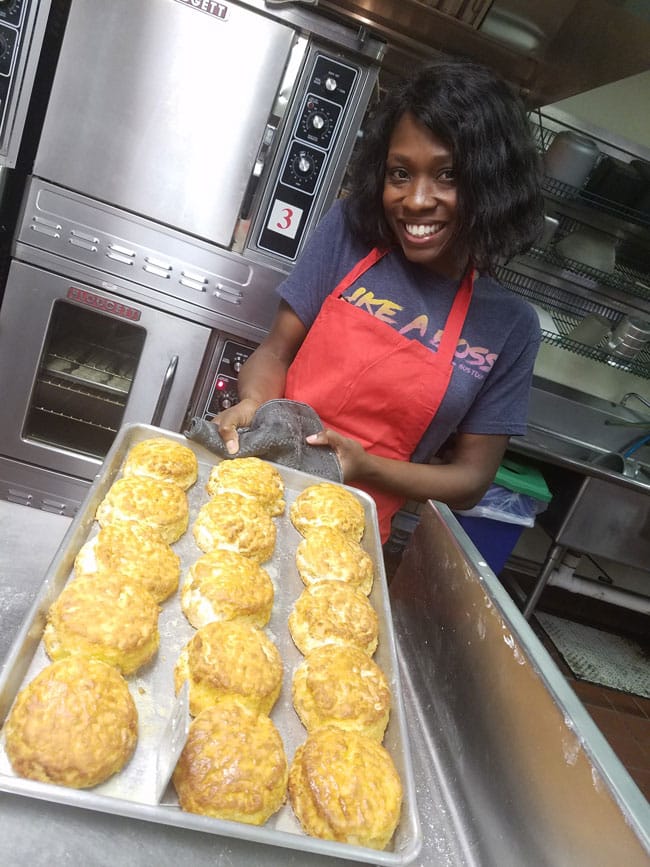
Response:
column 423, row 375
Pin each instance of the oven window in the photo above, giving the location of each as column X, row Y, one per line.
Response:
column 83, row 380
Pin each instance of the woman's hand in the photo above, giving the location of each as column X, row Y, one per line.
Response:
column 350, row 453
column 238, row 416
column 263, row 376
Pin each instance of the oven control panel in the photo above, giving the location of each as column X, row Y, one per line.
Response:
column 12, row 15
column 223, row 388
column 23, row 26
column 310, row 153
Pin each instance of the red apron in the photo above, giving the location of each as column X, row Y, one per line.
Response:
column 369, row 382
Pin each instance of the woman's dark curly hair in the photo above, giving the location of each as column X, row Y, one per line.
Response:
column 477, row 115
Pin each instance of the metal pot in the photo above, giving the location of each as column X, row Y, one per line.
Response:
column 629, row 337
column 570, row 158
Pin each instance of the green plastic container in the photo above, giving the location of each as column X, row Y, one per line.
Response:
column 522, row 479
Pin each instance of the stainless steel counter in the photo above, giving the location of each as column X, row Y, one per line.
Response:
column 596, row 461
column 509, row 767
column 587, row 435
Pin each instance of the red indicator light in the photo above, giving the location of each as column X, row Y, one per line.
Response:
column 220, row 384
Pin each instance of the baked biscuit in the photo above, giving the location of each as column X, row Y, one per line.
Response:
column 253, row 478
column 106, row 618
column 135, row 551
column 233, row 523
column 328, row 505
column 344, row 786
column 342, row 686
column 333, row 613
column 230, row 658
column 327, row 554
column 75, row 724
column 163, row 459
column 225, row 585
column 233, row 765
column 157, row 504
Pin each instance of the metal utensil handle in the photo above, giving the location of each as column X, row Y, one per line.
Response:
column 163, row 397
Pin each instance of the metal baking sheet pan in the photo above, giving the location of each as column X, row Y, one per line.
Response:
column 132, row 792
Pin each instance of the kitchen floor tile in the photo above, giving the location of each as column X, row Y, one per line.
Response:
column 590, row 693
column 623, row 719
column 630, row 704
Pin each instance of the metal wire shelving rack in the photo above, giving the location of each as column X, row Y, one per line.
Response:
column 570, row 301
column 567, row 310
column 543, row 137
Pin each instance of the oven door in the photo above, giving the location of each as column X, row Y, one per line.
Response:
column 175, row 101
column 78, row 362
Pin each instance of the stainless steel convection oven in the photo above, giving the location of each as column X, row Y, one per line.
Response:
column 187, row 150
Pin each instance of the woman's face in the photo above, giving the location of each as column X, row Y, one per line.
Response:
column 420, row 198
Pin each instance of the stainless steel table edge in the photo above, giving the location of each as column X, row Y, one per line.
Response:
column 633, row 805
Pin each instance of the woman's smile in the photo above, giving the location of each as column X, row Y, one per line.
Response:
column 423, row 230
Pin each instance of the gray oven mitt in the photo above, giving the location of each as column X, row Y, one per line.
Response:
column 277, row 433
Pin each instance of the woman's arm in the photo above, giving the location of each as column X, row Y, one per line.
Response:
column 263, row 375
column 460, row 480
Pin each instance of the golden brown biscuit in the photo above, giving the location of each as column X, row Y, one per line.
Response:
column 333, row 613
column 225, row 585
column 233, row 523
column 328, row 505
column 135, row 551
column 342, row 686
column 106, row 618
column 163, row 459
column 233, row 765
column 75, row 724
column 327, row 554
column 344, row 786
column 230, row 658
column 253, row 478
column 157, row 504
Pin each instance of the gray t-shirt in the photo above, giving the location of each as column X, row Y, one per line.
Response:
column 493, row 366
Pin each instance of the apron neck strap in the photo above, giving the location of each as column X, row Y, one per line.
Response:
column 456, row 319
column 361, row 267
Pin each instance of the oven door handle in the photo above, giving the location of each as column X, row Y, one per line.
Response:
column 163, row 397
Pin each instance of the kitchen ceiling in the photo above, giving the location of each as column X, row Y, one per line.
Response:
column 549, row 49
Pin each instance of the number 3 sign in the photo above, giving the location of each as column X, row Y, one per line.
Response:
column 284, row 219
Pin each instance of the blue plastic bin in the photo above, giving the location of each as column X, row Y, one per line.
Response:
column 495, row 540
column 510, row 505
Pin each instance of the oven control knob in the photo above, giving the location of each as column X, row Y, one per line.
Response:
column 303, row 164
column 330, row 83
column 226, row 402
column 318, row 125
column 237, row 365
